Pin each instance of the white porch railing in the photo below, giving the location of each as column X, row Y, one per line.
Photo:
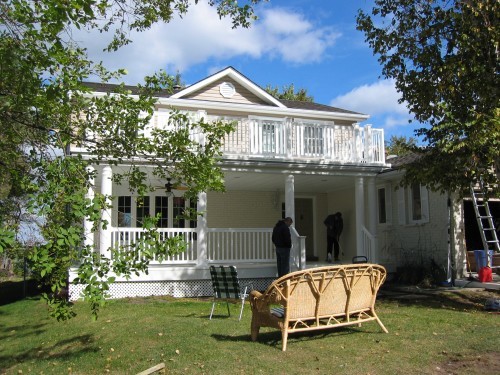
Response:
column 235, row 245
column 127, row 237
column 284, row 139
column 368, row 245
column 240, row 245
column 298, row 251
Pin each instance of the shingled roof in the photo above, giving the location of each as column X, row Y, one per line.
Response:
column 293, row 104
column 315, row 107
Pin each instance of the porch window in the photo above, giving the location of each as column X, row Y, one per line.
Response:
column 179, row 205
column 124, row 211
column 193, row 205
column 161, row 208
column 142, row 210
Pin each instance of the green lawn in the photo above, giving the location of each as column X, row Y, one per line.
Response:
column 132, row 335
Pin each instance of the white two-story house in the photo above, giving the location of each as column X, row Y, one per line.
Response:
column 285, row 158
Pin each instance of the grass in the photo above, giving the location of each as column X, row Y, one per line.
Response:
column 426, row 334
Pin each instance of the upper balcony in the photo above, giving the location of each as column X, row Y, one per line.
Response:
column 303, row 140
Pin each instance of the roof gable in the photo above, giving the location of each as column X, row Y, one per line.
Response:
column 229, row 75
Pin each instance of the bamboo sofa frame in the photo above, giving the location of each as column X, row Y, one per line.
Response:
column 317, row 299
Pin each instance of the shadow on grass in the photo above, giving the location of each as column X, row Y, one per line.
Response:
column 273, row 338
column 446, row 298
column 61, row 350
column 13, row 291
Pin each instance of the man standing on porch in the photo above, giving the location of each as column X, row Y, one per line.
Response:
column 334, row 225
column 283, row 242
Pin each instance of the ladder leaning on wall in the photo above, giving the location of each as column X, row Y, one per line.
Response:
column 484, row 220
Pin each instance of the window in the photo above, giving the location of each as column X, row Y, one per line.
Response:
column 384, row 205
column 142, row 210
column 382, row 213
column 179, row 205
column 193, row 205
column 413, row 205
column 268, row 138
column 132, row 211
column 313, row 140
column 124, row 211
column 161, row 208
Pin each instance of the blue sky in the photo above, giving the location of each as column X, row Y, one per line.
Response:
column 313, row 44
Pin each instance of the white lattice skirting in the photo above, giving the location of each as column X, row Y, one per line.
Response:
column 189, row 288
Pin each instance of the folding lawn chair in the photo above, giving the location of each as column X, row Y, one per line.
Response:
column 359, row 259
column 227, row 287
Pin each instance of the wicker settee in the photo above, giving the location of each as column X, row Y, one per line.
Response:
column 318, row 298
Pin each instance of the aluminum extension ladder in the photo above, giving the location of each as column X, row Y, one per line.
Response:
column 484, row 220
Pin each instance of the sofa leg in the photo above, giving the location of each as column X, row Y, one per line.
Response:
column 254, row 332
column 284, row 338
column 380, row 324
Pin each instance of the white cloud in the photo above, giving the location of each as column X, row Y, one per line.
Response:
column 379, row 100
column 200, row 35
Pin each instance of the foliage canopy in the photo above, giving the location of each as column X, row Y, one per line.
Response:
column 444, row 56
column 289, row 93
column 45, row 106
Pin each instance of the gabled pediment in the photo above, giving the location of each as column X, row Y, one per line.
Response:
column 228, row 86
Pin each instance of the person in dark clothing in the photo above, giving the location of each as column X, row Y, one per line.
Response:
column 283, row 242
column 334, row 225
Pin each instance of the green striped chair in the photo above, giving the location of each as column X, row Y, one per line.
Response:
column 227, row 287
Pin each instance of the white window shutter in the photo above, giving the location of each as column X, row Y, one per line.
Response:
column 401, row 206
column 424, row 201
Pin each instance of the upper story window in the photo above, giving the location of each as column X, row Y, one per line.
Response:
column 268, row 137
column 313, row 140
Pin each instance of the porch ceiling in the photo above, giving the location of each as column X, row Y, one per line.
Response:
column 262, row 181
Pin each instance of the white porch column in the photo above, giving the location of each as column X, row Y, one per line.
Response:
column 372, row 217
column 201, row 231
column 107, row 191
column 87, row 224
column 290, row 197
column 359, row 201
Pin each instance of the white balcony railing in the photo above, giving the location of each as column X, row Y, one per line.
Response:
column 296, row 139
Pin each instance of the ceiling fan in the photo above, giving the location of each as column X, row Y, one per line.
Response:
column 169, row 186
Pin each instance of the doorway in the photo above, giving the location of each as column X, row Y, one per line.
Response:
column 304, row 223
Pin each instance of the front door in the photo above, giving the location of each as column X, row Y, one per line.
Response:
column 304, row 223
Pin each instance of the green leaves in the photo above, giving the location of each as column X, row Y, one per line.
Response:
column 45, row 108
column 444, row 58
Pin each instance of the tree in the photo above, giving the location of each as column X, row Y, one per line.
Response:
column 288, row 93
column 400, row 145
column 444, row 58
column 45, row 106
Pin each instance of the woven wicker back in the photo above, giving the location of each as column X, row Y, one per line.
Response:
column 225, row 282
column 327, row 291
